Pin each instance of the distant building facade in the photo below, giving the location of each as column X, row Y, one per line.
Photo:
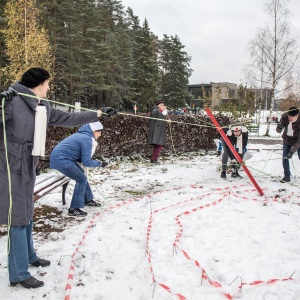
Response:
column 200, row 92
column 213, row 92
column 218, row 93
column 223, row 92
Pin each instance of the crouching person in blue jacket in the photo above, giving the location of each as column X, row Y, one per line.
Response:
column 66, row 157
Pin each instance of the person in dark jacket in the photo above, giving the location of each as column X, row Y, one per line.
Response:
column 22, row 141
column 290, row 124
column 157, row 129
column 238, row 137
column 66, row 157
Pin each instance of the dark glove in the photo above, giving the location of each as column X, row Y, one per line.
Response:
column 103, row 164
column 289, row 155
column 234, row 165
column 109, row 111
column 279, row 127
column 8, row 95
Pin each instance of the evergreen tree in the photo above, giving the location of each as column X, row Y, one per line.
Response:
column 133, row 25
column 97, row 54
column 148, row 65
column 92, row 52
column 117, row 58
column 145, row 66
column 65, row 25
column 175, row 72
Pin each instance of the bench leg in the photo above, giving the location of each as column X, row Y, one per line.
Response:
column 64, row 187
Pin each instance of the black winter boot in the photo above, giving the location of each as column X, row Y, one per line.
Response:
column 92, row 203
column 285, row 179
column 29, row 283
column 223, row 174
column 76, row 212
column 155, row 162
column 235, row 174
column 41, row 263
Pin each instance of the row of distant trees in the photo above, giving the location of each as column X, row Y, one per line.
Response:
column 97, row 52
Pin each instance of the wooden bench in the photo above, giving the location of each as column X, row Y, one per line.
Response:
column 47, row 182
column 253, row 128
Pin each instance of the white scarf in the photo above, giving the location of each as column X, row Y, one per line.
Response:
column 40, row 130
column 94, row 146
column 239, row 143
column 290, row 131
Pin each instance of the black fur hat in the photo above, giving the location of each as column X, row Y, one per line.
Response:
column 158, row 102
column 34, row 77
column 293, row 111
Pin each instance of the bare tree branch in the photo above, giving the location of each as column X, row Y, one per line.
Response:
column 273, row 54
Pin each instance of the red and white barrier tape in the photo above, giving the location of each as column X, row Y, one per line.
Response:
column 179, row 234
column 195, row 262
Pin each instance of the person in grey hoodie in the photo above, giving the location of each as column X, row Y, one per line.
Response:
column 22, row 137
column 66, row 158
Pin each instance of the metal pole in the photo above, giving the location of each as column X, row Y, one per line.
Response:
column 236, row 155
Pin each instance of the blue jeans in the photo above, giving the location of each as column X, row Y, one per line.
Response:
column 21, row 252
column 285, row 162
column 82, row 192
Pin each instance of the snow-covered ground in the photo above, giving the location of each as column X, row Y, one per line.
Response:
column 174, row 231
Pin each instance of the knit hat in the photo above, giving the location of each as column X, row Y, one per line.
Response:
column 34, row 77
column 236, row 127
column 293, row 111
column 158, row 102
column 96, row 126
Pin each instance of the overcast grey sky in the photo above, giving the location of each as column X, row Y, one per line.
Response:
column 215, row 33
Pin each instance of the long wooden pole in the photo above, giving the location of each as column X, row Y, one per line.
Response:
column 236, row 155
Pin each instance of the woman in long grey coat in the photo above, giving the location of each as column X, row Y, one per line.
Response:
column 157, row 129
column 21, row 127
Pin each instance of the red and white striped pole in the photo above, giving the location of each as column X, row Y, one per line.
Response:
column 238, row 158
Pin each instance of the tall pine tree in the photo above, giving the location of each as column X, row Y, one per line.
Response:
column 175, row 71
column 145, row 72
